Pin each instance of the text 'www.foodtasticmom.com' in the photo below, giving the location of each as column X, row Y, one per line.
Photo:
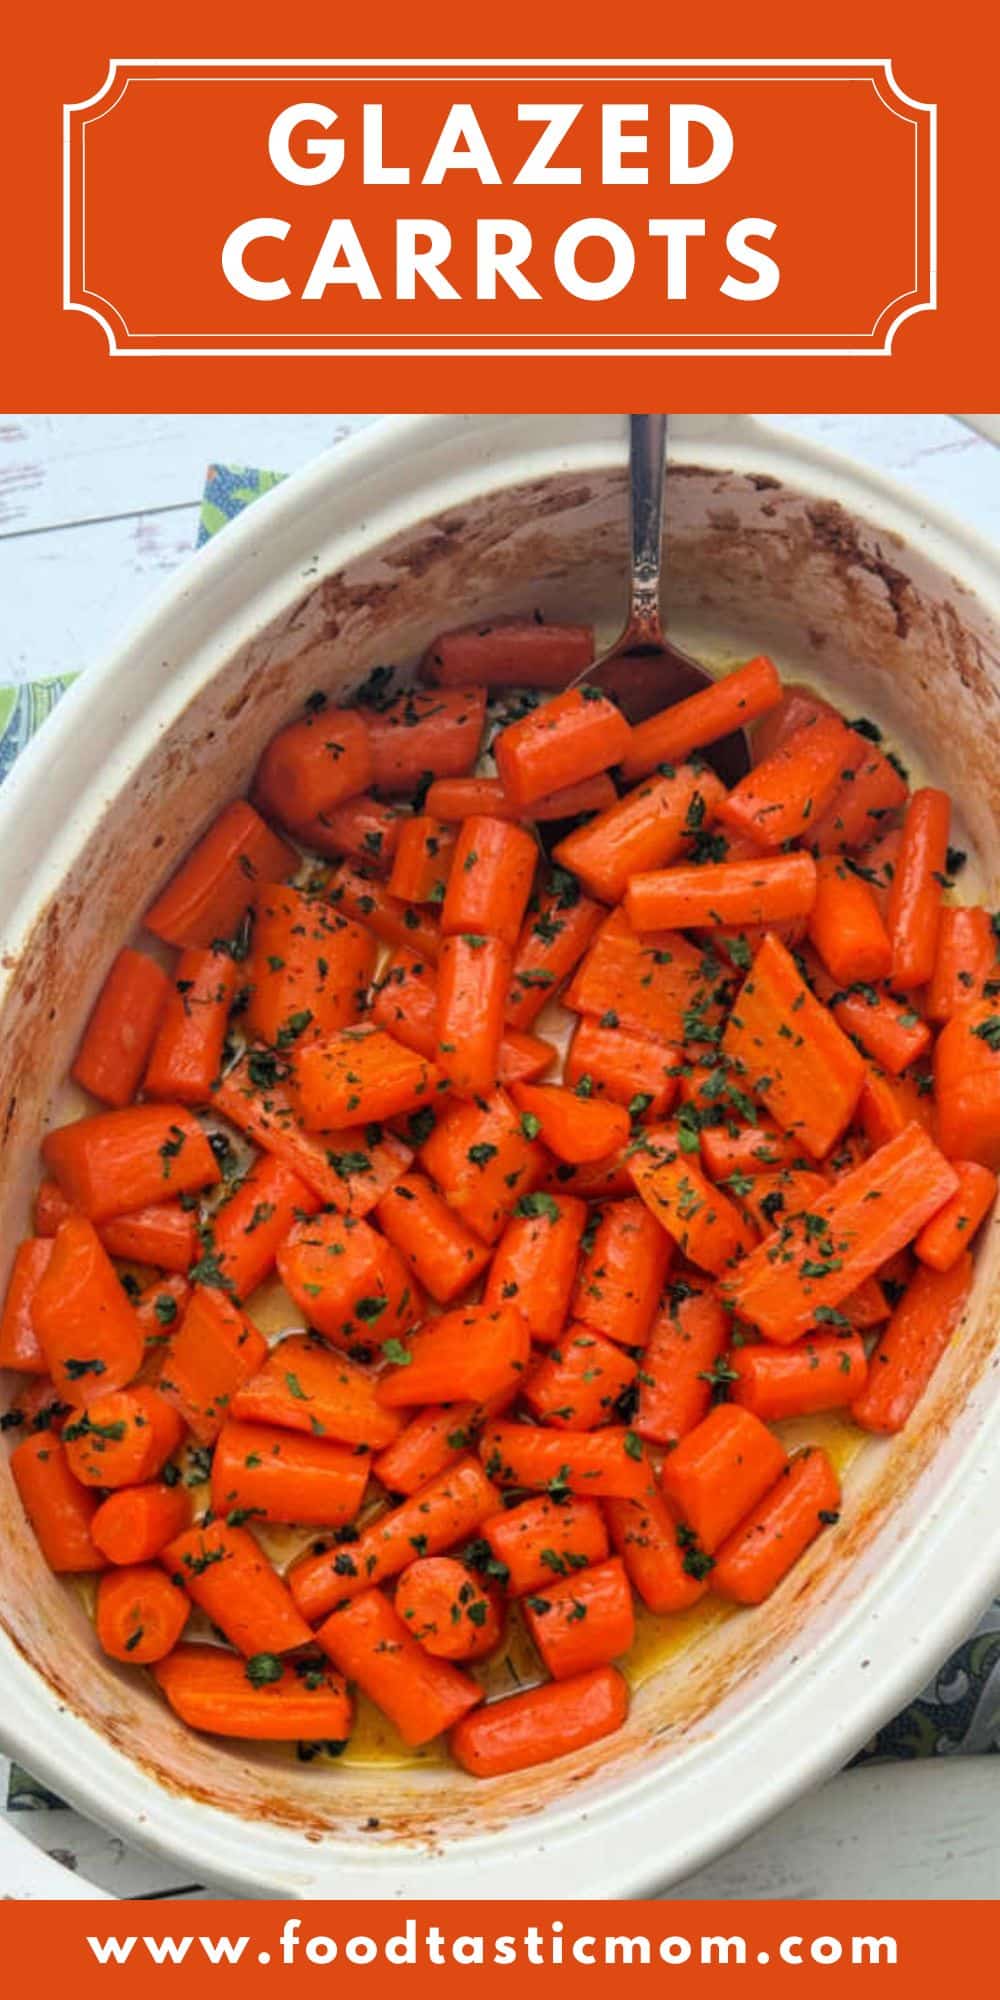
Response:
column 416, row 1944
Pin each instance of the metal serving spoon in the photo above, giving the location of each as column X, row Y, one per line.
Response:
column 643, row 670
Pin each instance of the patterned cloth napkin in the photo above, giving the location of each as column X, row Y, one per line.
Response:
column 959, row 1711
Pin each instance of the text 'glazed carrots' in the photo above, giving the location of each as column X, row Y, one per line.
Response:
column 515, row 1171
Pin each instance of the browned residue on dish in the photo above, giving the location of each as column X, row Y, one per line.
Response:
column 747, row 556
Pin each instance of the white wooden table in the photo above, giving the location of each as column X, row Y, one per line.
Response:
column 94, row 512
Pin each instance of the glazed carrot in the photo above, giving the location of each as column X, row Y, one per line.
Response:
column 576, row 1128
column 87, row 1329
column 891, row 1103
column 448, row 1610
column 543, row 1538
column 570, row 738
column 406, row 1004
column 313, row 764
column 592, row 1463
column 164, row 1234
column 211, row 891
column 733, row 701
column 867, row 1306
column 426, row 733
column 786, row 1192
column 791, row 1053
column 878, row 866
column 213, row 1352
column 544, row 1723
column 122, row 1028
column 20, row 1346
column 134, row 1525
column 364, row 829
column 509, row 652
column 309, row 970
column 747, row 1150
column 59, row 1508
column 227, row 1575
column 647, row 828
column 825, row 1371
column 913, row 1343
column 578, row 1383
column 371, row 1645
column 187, row 1052
column 162, row 1305
column 965, row 960
column 798, row 704
column 967, row 1085
column 368, row 902
column 557, row 930
column 660, row 985
column 267, row 1474
column 604, row 1180
column 780, row 798
column 888, row 1028
column 490, row 880
column 753, row 1560
column 119, row 1161
column 845, row 925
column 720, row 1470
column 302, row 1386
column 582, row 1621
column 444, row 1256
column 853, row 1149
column 666, row 1570
column 534, row 1264
column 472, row 1354
column 423, row 856
column 348, row 1282
column 434, row 1439
column 707, row 1227
column 808, row 1266
column 767, row 891
column 626, row 1259
column 629, row 1068
column 689, row 1333
column 211, row 1691
column 453, row 799
column 358, row 1076
column 460, row 798
column 868, row 793
column 439, row 1515
column 484, row 1164
column 245, row 1234
column 349, row 1170
column 123, row 1438
column 473, row 978
column 943, row 1239
column 917, row 884
column 140, row 1614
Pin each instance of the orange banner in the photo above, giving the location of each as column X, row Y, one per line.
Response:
column 899, row 1949
column 561, row 208
column 447, row 207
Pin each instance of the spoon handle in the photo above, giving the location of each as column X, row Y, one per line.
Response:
column 647, row 470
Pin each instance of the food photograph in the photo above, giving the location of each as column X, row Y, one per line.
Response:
column 500, row 1086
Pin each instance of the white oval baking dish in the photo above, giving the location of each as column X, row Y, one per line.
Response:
column 416, row 523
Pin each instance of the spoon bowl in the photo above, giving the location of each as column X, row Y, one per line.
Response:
column 643, row 671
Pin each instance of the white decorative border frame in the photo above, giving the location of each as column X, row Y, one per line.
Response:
column 657, row 66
